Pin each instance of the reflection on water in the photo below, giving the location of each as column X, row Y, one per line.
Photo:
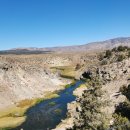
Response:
column 48, row 114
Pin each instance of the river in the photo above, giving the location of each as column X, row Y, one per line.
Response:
column 49, row 113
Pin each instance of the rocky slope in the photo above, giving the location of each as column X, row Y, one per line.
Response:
column 25, row 77
column 31, row 76
column 98, row 99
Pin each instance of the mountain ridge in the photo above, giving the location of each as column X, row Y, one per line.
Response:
column 93, row 46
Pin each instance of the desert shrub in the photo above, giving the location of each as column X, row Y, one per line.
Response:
column 78, row 66
column 120, row 122
column 123, row 109
column 118, row 119
column 101, row 57
column 128, row 53
column 104, row 62
column 128, row 48
column 87, row 75
column 128, row 90
column 120, row 58
column 122, row 48
column 108, row 54
column 91, row 117
column 125, row 90
column 114, row 49
column 77, row 110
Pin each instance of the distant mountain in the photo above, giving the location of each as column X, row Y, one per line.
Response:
column 94, row 46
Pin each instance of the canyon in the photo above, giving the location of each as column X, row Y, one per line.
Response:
column 27, row 74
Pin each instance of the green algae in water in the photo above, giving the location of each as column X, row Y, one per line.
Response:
column 58, row 111
column 52, row 103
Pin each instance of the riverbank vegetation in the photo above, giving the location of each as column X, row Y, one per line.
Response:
column 66, row 71
column 15, row 115
column 91, row 117
column 69, row 85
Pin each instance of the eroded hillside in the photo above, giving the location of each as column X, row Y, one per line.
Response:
column 26, row 80
column 31, row 76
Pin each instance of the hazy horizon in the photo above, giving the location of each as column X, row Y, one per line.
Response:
column 31, row 47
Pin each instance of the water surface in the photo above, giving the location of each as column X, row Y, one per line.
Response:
column 48, row 114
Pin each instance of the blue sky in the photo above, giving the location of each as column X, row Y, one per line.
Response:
column 46, row 23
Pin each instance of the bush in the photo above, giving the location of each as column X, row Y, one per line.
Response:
column 90, row 116
column 120, row 58
column 114, row 49
column 78, row 66
column 123, row 109
column 119, row 120
column 129, row 54
column 122, row 48
column 104, row 62
column 101, row 57
column 123, row 89
column 108, row 54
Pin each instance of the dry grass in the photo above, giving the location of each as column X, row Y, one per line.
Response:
column 50, row 95
column 83, row 86
column 11, row 122
column 66, row 71
column 26, row 102
column 69, row 85
column 12, row 117
column 15, row 115
column 68, row 74
column 13, row 112
column 79, row 90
